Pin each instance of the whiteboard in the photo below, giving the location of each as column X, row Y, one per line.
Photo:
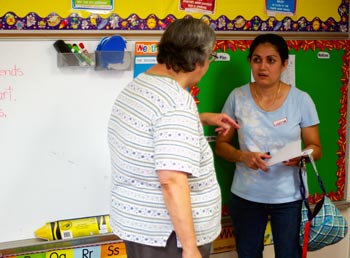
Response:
column 54, row 157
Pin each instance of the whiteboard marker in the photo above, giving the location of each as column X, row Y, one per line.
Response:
column 65, row 52
column 85, row 57
column 79, row 57
column 82, row 47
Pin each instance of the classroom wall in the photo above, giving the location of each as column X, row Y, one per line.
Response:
column 161, row 8
column 325, row 10
column 51, row 108
column 131, row 16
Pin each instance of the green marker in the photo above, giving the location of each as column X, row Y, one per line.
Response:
column 79, row 57
column 84, row 57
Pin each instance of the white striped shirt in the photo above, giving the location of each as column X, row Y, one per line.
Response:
column 155, row 125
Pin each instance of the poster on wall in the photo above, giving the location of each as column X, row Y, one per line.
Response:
column 198, row 6
column 145, row 56
column 281, row 6
column 93, row 4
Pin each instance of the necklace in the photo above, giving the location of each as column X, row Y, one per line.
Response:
column 274, row 99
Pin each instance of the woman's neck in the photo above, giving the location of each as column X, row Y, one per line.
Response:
column 266, row 97
column 162, row 70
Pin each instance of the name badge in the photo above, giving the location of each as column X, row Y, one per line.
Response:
column 280, row 122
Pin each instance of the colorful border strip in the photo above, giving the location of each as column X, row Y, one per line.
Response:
column 320, row 44
column 54, row 22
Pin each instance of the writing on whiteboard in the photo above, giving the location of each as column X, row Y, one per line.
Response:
column 6, row 90
column 11, row 72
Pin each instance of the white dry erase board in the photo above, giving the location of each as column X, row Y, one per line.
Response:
column 54, row 157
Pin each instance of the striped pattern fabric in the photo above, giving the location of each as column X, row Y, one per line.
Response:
column 155, row 125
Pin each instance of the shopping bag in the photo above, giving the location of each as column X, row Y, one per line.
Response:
column 324, row 224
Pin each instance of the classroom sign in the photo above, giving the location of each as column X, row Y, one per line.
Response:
column 92, row 4
column 201, row 6
column 111, row 250
column 145, row 56
column 281, row 6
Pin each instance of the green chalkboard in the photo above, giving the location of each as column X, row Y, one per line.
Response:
column 322, row 70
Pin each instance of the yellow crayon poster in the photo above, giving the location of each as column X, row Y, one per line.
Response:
column 73, row 228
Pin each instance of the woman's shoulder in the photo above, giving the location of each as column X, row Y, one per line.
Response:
column 298, row 93
column 300, row 96
column 240, row 89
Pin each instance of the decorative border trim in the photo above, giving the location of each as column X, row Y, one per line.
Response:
column 54, row 22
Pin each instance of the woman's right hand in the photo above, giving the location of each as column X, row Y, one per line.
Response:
column 255, row 160
column 191, row 254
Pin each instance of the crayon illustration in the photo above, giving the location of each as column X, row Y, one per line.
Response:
column 73, row 228
column 63, row 24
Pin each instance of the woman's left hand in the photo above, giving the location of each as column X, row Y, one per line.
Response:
column 292, row 162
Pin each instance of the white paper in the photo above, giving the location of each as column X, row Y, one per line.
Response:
column 290, row 151
column 288, row 76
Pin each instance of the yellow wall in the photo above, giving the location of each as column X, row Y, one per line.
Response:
column 310, row 9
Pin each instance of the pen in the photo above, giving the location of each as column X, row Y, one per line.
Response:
column 268, row 153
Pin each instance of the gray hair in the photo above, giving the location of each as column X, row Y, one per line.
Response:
column 185, row 43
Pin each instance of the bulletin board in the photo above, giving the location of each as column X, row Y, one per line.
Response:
column 326, row 80
column 127, row 16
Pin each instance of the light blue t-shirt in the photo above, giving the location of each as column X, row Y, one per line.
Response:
column 263, row 131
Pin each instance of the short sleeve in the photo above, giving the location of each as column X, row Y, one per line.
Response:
column 229, row 105
column 309, row 116
column 177, row 141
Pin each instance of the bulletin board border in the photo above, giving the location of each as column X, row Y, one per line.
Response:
column 54, row 23
column 156, row 35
